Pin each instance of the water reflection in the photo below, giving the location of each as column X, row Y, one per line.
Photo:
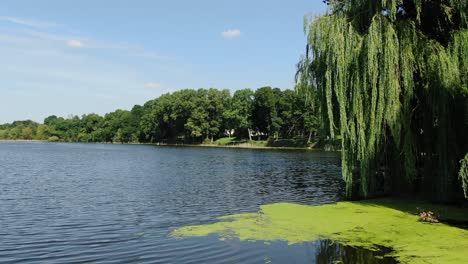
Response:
column 330, row 252
column 321, row 252
column 66, row 203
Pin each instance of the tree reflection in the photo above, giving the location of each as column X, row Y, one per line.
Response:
column 330, row 252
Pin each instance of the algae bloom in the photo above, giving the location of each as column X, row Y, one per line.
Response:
column 355, row 224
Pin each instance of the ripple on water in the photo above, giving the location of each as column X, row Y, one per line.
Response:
column 81, row 203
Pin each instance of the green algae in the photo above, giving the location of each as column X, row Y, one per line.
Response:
column 362, row 224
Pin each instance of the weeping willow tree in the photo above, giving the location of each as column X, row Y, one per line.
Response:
column 392, row 82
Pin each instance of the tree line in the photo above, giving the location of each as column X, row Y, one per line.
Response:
column 185, row 116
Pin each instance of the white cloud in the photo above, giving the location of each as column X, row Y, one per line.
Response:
column 73, row 43
column 231, row 33
column 46, row 38
column 152, row 85
column 29, row 23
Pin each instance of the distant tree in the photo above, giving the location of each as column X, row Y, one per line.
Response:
column 238, row 113
column 183, row 116
column 265, row 111
column 118, row 126
column 137, row 114
column 27, row 133
column 43, row 132
column 15, row 133
column 50, row 120
column 206, row 119
column 148, row 125
column 4, row 133
column 90, row 124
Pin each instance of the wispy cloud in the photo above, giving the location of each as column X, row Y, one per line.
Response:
column 45, row 38
column 231, row 33
column 26, row 22
column 73, row 43
column 43, row 33
column 153, row 85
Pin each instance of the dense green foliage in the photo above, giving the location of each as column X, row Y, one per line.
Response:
column 392, row 82
column 186, row 116
column 463, row 174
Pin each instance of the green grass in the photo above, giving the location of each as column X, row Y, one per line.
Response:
column 224, row 141
column 232, row 141
column 243, row 143
column 258, row 143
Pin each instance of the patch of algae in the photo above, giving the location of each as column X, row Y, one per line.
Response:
column 351, row 223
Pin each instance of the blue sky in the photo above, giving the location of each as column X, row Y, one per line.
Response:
column 76, row 57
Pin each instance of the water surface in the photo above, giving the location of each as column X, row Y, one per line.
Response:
column 81, row 203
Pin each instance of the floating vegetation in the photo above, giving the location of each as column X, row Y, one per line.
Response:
column 357, row 224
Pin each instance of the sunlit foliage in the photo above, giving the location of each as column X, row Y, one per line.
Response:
column 391, row 78
column 185, row 116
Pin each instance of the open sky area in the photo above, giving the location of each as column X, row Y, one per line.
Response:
column 76, row 57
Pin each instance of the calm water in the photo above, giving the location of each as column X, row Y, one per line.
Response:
column 93, row 203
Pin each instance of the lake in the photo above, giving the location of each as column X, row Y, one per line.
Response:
column 98, row 203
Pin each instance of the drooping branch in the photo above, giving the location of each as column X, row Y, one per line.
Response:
column 388, row 83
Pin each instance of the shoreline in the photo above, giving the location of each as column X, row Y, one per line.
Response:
column 240, row 146
column 234, row 146
column 22, row 140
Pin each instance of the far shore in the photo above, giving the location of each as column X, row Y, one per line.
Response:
column 202, row 145
column 22, row 140
column 240, row 146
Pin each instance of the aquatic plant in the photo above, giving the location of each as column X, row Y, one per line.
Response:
column 358, row 224
column 392, row 81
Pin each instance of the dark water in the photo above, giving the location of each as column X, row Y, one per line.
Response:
column 93, row 203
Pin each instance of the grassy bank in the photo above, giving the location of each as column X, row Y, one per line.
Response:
column 284, row 144
column 388, row 223
column 261, row 144
column 232, row 142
